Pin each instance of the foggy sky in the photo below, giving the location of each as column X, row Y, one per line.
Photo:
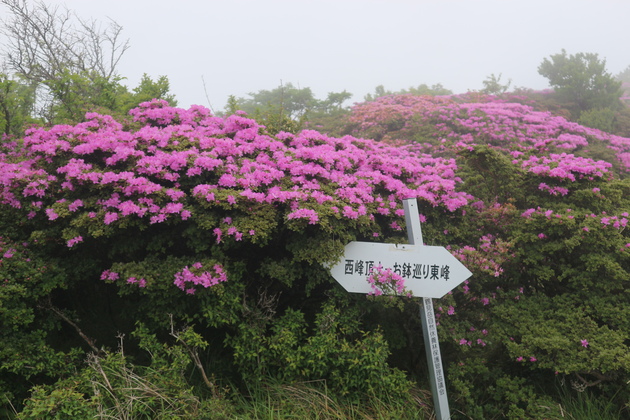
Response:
column 242, row 46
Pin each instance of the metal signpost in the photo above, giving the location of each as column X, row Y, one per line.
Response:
column 429, row 272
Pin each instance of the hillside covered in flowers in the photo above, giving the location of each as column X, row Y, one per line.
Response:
column 180, row 220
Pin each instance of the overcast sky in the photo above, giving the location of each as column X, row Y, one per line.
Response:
column 242, row 46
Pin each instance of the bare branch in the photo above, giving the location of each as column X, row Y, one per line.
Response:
column 584, row 383
column 48, row 45
column 42, row 42
column 90, row 342
column 194, row 355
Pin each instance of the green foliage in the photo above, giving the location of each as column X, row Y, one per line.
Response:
column 63, row 402
column 289, row 108
column 561, row 310
column 75, row 94
column 31, row 337
column 293, row 101
column 624, row 75
column 16, row 105
column 111, row 387
column 578, row 404
column 312, row 400
column 72, row 95
column 168, row 385
column 352, row 362
column 493, row 86
column 600, row 118
column 486, row 392
column 608, row 120
column 420, row 90
column 149, row 89
column 491, row 175
column 581, row 79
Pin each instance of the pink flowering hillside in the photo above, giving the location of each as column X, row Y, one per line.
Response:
column 179, row 167
column 208, row 219
column 439, row 123
column 180, row 225
column 546, row 235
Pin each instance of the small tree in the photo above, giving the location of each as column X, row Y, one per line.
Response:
column 16, row 103
column 70, row 61
column 44, row 42
column 493, row 86
column 423, row 89
column 66, row 67
column 294, row 102
column 624, row 76
column 289, row 108
column 149, row 89
column 582, row 80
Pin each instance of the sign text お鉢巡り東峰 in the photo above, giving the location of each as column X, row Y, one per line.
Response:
column 429, row 271
column 406, row 270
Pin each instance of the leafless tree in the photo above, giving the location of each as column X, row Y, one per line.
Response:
column 46, row 47
column 42, row 42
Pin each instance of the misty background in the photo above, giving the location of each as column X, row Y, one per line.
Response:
column 241, row 46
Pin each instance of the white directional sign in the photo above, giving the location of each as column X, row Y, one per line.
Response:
column 428, row 271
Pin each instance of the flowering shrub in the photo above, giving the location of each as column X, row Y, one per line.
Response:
column 182, row 160
column 443, row 123
column 186, row 213
column 545, row 237
column 385, row 281
column 218, row 223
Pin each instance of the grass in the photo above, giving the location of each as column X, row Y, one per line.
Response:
column 583, row 405
column 312, row 401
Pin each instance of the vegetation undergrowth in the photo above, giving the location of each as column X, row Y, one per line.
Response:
column 112, row 387
column 577, row 403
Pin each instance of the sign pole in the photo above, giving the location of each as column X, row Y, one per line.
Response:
column 427, row 317
column 430, row 272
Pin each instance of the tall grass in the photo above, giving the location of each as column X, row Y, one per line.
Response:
column 311, row 401
column 583, row 405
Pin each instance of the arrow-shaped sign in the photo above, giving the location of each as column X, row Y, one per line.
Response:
column 428, row 271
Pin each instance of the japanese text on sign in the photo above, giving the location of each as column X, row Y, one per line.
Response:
column 405, row 270
column 435, row 349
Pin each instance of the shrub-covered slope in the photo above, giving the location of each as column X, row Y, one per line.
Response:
column 181, row 218
column 546, row 235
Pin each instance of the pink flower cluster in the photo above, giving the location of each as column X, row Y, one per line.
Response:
column 487, row 257
column 110, row 275
column 386, row 282
column 139, row 282
column 390, row 116
column 565, row 166
column 467, row 121
column 6, row 250
column 183, row 157
column 188, row 278
column 618, row 222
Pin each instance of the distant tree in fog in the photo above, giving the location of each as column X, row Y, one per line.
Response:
column 582, row 79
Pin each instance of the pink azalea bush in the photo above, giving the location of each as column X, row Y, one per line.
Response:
column 216, row 222
column 512, row 127
column 97, row 177
column 545, row 236
column 386, row 282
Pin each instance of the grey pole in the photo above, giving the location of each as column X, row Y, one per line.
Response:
column 427, row 316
